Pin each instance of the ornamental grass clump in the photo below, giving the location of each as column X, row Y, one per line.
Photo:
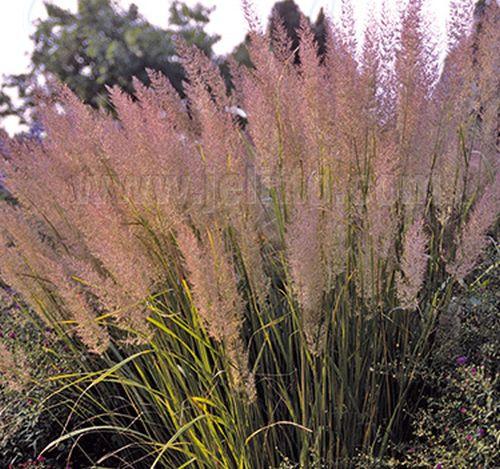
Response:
column 248, row 293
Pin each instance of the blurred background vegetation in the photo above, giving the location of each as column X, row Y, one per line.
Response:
column 101, row 45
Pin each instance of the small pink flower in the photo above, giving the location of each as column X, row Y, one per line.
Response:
column 438, row 466
column 40, row 459
column 469, row 437
column 12, row 335
column 473, row 371
column 463, row 410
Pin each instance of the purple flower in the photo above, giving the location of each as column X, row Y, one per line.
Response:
column 481, row 432
column 462, row 360
column 438, row 466
column 40, row 459
column 473, row 371
column 12, row 335
column 463, row 410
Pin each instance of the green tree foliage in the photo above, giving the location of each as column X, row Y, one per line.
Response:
column 101, row 45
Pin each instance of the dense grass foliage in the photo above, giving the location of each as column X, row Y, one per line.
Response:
column 264, row 291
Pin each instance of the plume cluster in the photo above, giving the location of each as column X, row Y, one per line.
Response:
column 346, row 176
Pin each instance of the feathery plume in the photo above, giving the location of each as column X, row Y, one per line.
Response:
column 473, row 234
column 214, row 284
column 306, row 268
column 413, row 263
column 94, row 336
column 115, row 241
column 459, row 21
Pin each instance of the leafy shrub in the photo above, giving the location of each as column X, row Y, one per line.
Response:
column 25, row 427
column 268, row 293
column 461, row 429
column 32, row 357
column 458, row 424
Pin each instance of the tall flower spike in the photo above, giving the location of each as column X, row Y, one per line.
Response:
column 94, row 336
column 251, row 17
column 248, row 234
column 313, row 98
column 216, row 297
column 260, row 89
column 370, row 66
column 40, row 272
column 281, row 43
column 114, row 240
column 413, row 263
column 459, row 21
column 473, row 236
column 214, row 284
column 304, row 258
column 387, row 80
column 170, row 102
column 382, row 202
column 409, row 64
column 348, row 25
column 220, row 147
column 487, row 65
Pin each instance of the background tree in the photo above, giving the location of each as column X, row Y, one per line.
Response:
column 101, row 45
